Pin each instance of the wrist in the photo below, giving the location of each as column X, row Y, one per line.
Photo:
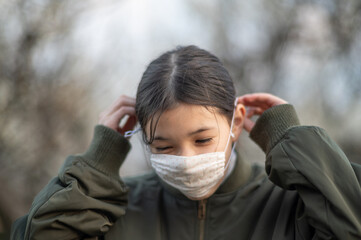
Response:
column 271, row 126
column 107, row 150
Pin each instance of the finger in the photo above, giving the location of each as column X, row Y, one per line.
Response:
column 251, row 111
column 263, row 100
column 266, row 98
column 122, row 112
column 255, row 100
column 248, row 124
column 249, row 100
column 114, row 119
column 123, row 100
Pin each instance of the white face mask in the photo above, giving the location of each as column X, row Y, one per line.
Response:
column 195, row 176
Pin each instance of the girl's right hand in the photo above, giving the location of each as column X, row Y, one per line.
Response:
column 111, row 117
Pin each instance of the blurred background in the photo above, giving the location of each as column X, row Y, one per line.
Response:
column 63, row 62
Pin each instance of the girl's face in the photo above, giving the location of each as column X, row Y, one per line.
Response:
column 188, row 130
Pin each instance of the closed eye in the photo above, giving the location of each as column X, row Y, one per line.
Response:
column 160, row 149
column 206, row 140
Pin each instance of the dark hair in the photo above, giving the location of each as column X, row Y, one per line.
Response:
column 184, row 75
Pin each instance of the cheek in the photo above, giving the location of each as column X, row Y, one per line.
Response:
column 220, row 144
column 228, row 152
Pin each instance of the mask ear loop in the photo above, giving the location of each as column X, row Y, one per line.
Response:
column 132, row 132
column 145, row 147
column 231, row 135
column 230, row 158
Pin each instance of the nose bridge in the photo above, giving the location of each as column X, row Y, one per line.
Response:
column 186, row 150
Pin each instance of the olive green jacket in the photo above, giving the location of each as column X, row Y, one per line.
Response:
column 309, row 191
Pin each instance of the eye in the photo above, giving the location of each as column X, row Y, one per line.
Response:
column 205, row 140
column 160, row 149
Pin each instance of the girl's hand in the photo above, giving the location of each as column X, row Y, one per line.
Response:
column 256, row 104
column 111, row 117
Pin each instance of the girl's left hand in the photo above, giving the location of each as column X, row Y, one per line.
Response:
column 256, row 104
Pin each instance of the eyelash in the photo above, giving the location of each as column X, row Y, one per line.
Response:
column 161, row 149
column 200, row 141
column 206, row 140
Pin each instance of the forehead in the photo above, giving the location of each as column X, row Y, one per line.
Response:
column 189, row 112
column 184, row 118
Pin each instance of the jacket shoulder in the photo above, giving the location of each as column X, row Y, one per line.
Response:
column 357, row 169
column 18, row 228
column 143, row 186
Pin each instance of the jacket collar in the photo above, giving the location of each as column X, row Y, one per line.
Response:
column 238, row 178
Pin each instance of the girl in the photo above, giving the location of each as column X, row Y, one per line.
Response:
column 200, row 189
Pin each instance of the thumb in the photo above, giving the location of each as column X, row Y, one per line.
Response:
column 248, row 124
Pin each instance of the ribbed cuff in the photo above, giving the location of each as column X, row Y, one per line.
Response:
column 272, row 125
column 107, row 150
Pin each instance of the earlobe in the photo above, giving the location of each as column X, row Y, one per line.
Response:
column 240, row 114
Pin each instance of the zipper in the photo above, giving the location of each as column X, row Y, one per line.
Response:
column 202, row 217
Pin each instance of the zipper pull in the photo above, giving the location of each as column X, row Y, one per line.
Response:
column 202, row 209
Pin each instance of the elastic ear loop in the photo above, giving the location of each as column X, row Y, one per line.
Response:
column 230, row 158
column 132, row 132
column 232, row 135
column 145, row 147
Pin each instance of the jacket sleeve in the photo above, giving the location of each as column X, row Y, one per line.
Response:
column 305, row 159
column 85, row 199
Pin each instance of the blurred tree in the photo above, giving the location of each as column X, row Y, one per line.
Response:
column 306, row 52
column 41, row 99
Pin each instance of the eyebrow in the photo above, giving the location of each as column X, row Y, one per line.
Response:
column 199, row 131
column 160, row 138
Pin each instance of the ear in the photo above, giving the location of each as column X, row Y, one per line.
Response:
column 238, row 122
